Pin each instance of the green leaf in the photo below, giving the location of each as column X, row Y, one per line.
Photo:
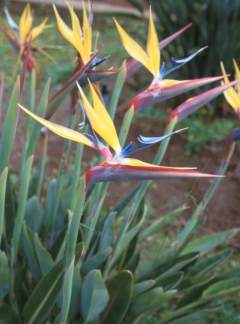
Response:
column 50, row 204
column 143, row 286
column 4, row 275
column 71, row 246
column 200, row 317
column 162, row 269
column 23, row 193
column 193, row 293
column 120, row 290
column 43, row 256
column 67, row 290
column 171, row 281
column 152, row 300
column 29, row 250
column 209, row 242
column 163, row 221
column 208, row 264
column 96, row 261
column 44, row 295
column 76, row 291
column 126, row 237
column 10, row 206
column 3, row 183
column 132, row 263
column 1, row 93
column 117, row 91
column 8, row 315
column 95, row 296
column 9, row 127
column 127, row 120
column 222, row 289
column 34, row 131
column 33, row 213
column 106, row 235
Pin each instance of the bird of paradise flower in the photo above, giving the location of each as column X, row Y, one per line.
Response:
column 117, row 166
column 160, row 89
column 24, row 34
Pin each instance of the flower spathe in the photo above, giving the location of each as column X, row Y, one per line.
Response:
column 117, row 165
column 232, row 94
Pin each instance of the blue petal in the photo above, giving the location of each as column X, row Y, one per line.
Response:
column 176, row 64
column 236, row 135
column 127, row 150
column 94, row 139
column 153, row 140
column 145, row 142
column 97, row 61
column 10, row 20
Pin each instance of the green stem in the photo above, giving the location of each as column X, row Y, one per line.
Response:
column 127, row 120
column 42, row 165
column 117, row 91
column 216, row 182
column 71, row 243
column 208, row 195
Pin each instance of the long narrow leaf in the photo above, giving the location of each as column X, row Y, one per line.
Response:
column 9, row 127
column 21, row 207
column 3, row 183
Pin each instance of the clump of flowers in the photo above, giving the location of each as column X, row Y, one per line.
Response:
column 65, row 257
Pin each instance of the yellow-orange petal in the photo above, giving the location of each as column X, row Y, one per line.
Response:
column 109, row 133
column 237, row 75
column 36, row 31
column 60, row 130
column 169, row 82
column 136, row 162
column 230, row 94
column 63, row 28
column 87, row 36
column 153, row 48
column 77, row 31
column 94, row 115
column 25, row 23
column 133, row 48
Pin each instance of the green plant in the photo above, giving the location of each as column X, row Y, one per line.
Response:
column 66, row 259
